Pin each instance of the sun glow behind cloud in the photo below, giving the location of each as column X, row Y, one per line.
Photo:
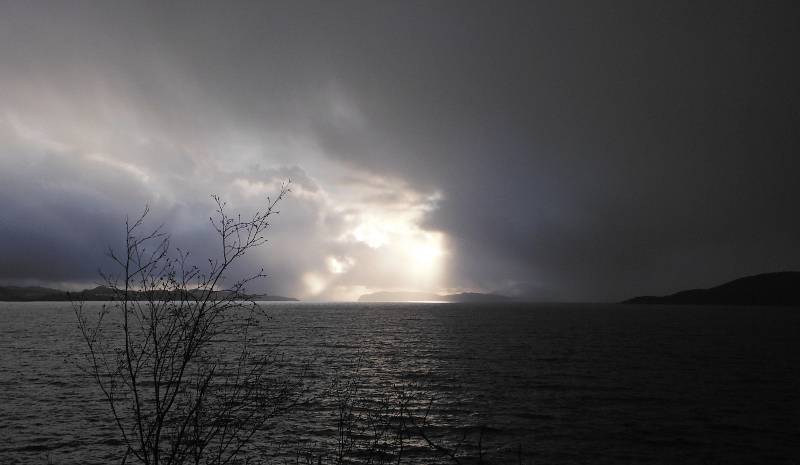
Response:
column 379, row 242
column 416, row 255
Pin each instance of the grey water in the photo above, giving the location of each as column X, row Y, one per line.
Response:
column 536, row 383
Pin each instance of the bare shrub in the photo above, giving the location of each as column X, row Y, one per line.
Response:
column 176, row 351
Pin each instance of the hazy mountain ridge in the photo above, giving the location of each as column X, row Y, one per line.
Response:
column 385, row 296
column 768, row 289
column 100, row 293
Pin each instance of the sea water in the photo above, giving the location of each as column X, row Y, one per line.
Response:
column 532, row 383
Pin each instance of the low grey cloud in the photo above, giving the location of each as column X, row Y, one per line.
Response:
column 590, row 151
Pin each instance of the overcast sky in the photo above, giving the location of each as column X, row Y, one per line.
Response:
column 586, row 151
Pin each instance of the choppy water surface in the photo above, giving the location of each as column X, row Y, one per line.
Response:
column 556, row 383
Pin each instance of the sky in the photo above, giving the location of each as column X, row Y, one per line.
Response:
column 570, row 151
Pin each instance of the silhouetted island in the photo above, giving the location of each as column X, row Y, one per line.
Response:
column 99, row 293
column 780, row 289
column 431, row 297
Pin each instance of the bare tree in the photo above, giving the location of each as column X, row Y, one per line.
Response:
column 391, row 426
column 176, row 352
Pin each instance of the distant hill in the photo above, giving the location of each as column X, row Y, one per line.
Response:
column 99, row 293
column 273, row 298
column 400, row 297
column 769, row 289
column 30, row 293
column 431, row 297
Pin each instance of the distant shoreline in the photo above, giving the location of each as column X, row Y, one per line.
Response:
column 780, row 289
column 101, row 294
column 431, row 297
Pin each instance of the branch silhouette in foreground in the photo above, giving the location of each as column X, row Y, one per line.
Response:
column 176, row 352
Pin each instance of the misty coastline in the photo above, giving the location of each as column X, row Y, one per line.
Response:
column 432, row 297
column 103, row 294
column 767, row 289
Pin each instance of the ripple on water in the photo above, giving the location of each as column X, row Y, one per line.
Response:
column 556, row 383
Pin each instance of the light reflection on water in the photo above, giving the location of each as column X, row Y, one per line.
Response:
column 566, row 383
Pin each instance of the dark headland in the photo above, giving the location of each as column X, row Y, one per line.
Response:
column 770, row 289
column 99, row 293
column 431, row 297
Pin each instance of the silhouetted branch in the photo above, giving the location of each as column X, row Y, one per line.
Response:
column 174, row 352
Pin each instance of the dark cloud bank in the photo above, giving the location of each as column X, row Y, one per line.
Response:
column 589, row 151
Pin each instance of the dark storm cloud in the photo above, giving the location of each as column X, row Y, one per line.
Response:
column 597, row 151
column 604, row 149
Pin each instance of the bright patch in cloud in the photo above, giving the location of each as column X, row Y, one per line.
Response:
column 314, row 283
column 374, row 234
column 339, row 265
column 380, row 230
column 427, row 253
